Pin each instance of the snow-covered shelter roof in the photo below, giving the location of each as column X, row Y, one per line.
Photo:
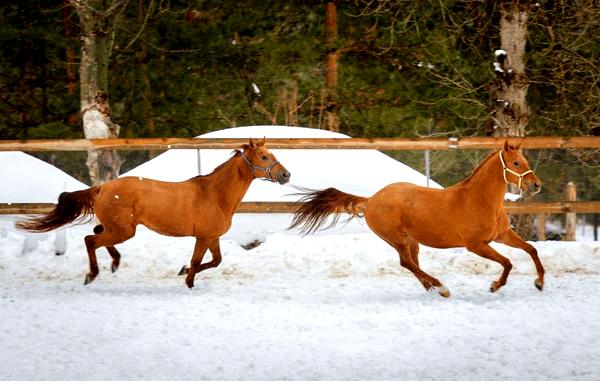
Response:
column 358, row 171
column 29, row 179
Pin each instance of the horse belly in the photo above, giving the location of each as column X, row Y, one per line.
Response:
column 174, row 221
column 411, row 211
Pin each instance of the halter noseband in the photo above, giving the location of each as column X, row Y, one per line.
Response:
column 266, row 170
column 519, row 175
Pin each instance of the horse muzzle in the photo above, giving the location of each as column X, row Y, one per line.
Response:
column 534, row 187
column 283, row 177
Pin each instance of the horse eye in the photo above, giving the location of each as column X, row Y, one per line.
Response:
column 516, row 163
column 264, row 158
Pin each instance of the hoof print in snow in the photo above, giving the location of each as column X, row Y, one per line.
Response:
column 251, row 245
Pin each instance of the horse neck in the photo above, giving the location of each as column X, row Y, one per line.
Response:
column 233, row 180
column 487, row 180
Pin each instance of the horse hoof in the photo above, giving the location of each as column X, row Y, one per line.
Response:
column 114, row 267
column 539, row 284
column 59, row 252
column 88, row 279
column 184, row 270
column 443, row 291
column 494, row 286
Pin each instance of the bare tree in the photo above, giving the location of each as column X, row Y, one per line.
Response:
column 333, row 56
column 98, row 19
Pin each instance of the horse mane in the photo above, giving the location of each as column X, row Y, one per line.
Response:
column 481, row 164
column 235, row 153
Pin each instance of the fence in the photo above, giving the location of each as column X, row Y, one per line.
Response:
column 557, row 160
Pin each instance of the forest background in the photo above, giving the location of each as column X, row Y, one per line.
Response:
column 388, row 68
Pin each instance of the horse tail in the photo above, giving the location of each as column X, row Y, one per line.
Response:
column 314, row 207
column 72, row 206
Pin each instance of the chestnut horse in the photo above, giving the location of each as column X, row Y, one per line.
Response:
column 469, row 214
column 201, row 207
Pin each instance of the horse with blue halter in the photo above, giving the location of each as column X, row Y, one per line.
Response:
column 201, row 207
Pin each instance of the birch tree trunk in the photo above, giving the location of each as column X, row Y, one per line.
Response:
column 511, row 113
column 98, row 19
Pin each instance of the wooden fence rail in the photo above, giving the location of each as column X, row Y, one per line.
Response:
column 385, row 144
column 529, row 207
column 389, row 144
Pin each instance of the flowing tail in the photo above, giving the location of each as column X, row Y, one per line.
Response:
column 314, row 207
column 71, row 206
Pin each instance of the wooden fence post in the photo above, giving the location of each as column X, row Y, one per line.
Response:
column 541, row 227
column 571, row 218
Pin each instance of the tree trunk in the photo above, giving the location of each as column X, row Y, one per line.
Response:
column 69, row 53
column 150, row 128
column 511, row 112
column 97, row 36
column 331, row 79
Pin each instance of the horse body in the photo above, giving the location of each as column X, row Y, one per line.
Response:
column 201, row 207
column 469, row 214
column 442, row 218
column 195, row 207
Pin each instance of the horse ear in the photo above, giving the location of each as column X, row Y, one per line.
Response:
column 506, row 145
column 262, row 142
column 518, row 146
column 252, row 143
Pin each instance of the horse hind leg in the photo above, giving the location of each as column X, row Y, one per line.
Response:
column 408, row 249
column 114, row 253
column 105, row 238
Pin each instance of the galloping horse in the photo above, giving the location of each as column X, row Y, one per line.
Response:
column 469, row 214
column 201, row 207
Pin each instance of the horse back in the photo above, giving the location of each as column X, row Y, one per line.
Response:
column 169, row 208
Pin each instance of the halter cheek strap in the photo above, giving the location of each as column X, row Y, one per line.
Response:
column 266, row 170
column 519, row 175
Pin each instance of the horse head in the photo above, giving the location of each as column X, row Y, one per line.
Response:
column 263, row 163
column 516, row 169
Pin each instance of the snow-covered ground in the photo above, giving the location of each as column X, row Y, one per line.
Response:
column 334, row 306
column 325, row 307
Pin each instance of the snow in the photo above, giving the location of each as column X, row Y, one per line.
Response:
column 95, row 125
column 334, row 306
column 29, row 179
column 35, row 180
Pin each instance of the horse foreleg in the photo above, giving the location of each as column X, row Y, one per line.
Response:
column 199, row 251
column 414, row 250
column 215, row 250
column 512, row 239
column 484, row 250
